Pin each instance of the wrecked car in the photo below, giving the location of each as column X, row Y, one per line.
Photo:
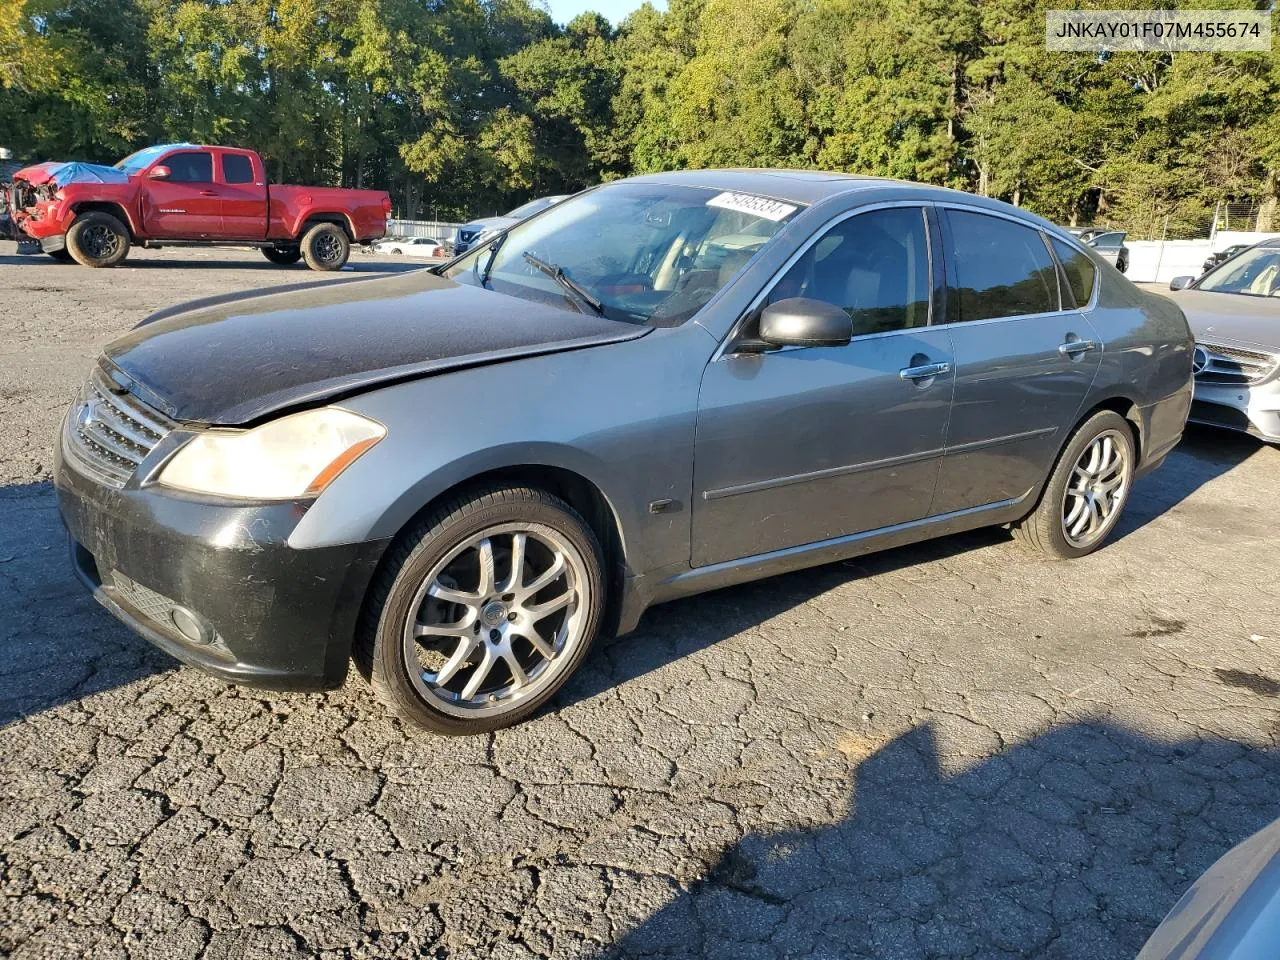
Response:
column 184, row 194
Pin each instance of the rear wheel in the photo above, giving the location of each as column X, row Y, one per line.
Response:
column 282, row 255
column 326, row 247
column 482, row 611
column 98, row 240
column 1086, row 492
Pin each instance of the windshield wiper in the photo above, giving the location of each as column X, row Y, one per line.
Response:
column 494, row 244
column 557, row 274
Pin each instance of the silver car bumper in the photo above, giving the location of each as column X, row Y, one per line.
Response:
column 1237, row 389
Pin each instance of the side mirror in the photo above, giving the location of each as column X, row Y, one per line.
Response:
column 159, row 172
column 801, row 322
column 1181, row 283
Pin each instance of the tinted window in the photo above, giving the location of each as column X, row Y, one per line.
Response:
column 874, row 265
column 1080, row 272
column 1110, row 241
column 190, row 167
column 1001, row 269
column 237, row 168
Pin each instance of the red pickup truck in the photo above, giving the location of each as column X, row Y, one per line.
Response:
column 184, row 194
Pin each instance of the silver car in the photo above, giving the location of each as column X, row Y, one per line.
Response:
column 458, row 478
column 478, row 231
column 1234, row 311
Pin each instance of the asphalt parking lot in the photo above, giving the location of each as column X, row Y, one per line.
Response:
column 951, row 750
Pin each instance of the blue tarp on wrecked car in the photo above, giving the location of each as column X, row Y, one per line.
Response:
column 77, row 172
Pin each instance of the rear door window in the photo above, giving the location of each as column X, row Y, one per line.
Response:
column 999, row 268
column 237, row 168
column 1079, row 269
column 190, row 167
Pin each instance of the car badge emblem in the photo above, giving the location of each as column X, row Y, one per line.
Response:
column 1199, row 361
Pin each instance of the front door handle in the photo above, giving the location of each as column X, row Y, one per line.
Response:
column 925, row 371
column 1073, row 348
column 208, row 193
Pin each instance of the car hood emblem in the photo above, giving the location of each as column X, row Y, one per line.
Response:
column 1199, row 360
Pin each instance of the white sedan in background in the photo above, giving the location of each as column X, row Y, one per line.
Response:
column 413, row 247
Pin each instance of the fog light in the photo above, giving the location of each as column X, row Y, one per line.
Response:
column 191, row 625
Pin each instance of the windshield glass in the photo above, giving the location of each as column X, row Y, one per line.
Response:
column 136, row 161
column 648, row 253
column 1255, row 273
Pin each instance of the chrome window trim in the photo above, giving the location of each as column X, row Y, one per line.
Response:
column 722, row 350
column 1000, row 214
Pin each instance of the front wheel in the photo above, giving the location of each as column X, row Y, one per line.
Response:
column 482, row 610
column 283, row 255
column 98, row 240
column 1087, row 491
column 326, row 247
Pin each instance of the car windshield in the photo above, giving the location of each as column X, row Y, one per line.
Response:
column 532, row 207
column 647, row 253
column 136, row 161
column 1254, row 273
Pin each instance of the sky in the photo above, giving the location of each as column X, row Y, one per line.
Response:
column 615, row 11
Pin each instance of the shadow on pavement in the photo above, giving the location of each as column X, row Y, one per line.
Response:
column 1203, row 455
column 1071, row 845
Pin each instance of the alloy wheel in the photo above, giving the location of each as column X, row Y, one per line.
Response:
column 327, row 248
column 100, row 241
column 1097, row 489
column 496, row 620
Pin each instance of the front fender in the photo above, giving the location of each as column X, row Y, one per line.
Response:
column 621, row 416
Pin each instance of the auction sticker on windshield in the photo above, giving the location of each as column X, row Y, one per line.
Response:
column 758, row 206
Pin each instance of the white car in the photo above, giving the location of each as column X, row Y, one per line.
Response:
column 412, row 247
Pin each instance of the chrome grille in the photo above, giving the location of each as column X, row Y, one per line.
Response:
column 1215, row 363
column 108, row 434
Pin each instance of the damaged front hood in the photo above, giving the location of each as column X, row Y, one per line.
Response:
column 63, row 174
column 238, row 359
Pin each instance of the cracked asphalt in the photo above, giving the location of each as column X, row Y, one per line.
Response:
column 950, row 750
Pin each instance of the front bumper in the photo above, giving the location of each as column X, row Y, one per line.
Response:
column 274, row 616
column 1249, row 409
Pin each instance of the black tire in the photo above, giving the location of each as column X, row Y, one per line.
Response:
column 1045, row 527
column 396, row 592
column 98, row 240
column 326, row 247
column 284, row 256
column 62, row 256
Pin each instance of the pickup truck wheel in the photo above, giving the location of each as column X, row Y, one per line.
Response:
column 98, row 240
column 482, row 610
column 326, row 247
column 282, row 255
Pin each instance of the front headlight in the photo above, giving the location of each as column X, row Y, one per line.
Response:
column 287, row 459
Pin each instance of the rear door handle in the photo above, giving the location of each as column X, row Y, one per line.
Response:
column 925, row 371
column 1074, row 348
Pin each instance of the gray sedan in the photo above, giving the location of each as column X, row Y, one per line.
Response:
column 665, row 385
column 1234, row 311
